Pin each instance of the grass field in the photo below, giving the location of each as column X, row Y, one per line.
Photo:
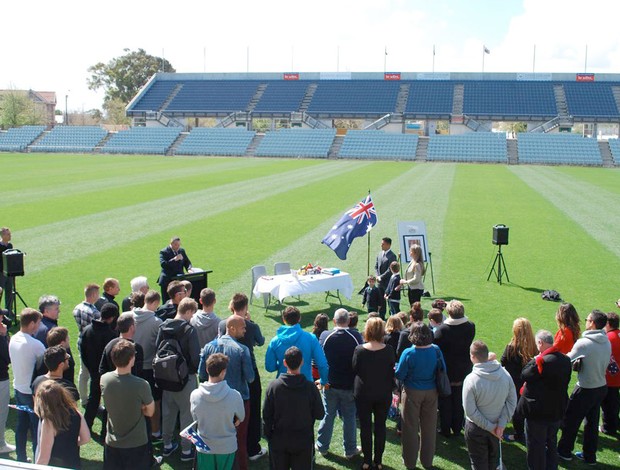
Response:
column 81, row 218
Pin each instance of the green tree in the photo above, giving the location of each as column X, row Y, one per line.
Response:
column 17, row 109
column 115, row 112
column 122, row 77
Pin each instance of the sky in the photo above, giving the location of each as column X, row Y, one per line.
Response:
column 48, row 46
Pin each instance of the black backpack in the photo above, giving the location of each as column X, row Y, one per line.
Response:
column 169, row 366
column 552, row 295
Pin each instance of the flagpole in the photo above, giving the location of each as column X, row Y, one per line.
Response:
column 534, row 60
column 385, row 60
column 368, row 252
column 585, row 65
column 483, row 58
column 433, row 58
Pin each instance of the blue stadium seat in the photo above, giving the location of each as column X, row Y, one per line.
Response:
column 142, row 140
column 70, row 139
column 483, row 147
column 378, row 145
column 17, row 139
column 310, row 143
column 558, row 149
column 216, row 141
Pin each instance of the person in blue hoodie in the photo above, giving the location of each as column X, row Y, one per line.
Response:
column 291, row 334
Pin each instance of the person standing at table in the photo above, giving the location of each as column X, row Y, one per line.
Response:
column 382, row 269
column 173, row 260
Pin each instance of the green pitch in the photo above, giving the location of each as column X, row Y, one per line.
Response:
column 82, row 218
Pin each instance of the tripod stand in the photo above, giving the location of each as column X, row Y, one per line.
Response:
column 13, row 296
column 501, row 267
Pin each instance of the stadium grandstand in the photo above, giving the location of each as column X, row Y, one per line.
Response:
column 398, row 116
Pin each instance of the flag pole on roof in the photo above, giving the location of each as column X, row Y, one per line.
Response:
column 355, row 222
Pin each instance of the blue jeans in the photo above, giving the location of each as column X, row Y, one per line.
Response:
column 337, row 400
column 25, row 421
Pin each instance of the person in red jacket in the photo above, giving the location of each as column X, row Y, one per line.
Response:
column 569, row 331
column 611, row 403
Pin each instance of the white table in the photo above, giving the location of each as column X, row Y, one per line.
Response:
column 287, row 285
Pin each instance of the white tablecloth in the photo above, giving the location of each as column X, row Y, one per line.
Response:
column 287, row 285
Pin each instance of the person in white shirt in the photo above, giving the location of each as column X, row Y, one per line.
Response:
column 26, row 354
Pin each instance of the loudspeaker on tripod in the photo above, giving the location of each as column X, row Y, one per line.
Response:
column 500, row 234
column 13, row 263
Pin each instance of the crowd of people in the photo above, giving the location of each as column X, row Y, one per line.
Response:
column 176, row 375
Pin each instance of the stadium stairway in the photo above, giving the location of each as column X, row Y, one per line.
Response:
column 561, row 103
column 421, row 151
column 401, row 99
column 257, row 96
column 170, row 97
column 305, row 102
column 608, row 159
column 254, row 143
column 513, row 151
column 36, row 141
column 101, row 144
column 334, row 150
column 172, row 149
column 458, row 99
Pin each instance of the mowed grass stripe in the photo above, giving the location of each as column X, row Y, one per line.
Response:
column 67, row 206
column 139, row 173
column 594, row 209
column 410, row 196
column 107, row 229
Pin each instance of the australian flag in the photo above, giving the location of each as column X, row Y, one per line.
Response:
column 355, row 222
column 190, row 433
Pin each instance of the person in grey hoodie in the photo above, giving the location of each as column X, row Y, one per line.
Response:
column 217, row 410
column 147, row 327
column 593, row 349
column 205, row 321
column 489, row 400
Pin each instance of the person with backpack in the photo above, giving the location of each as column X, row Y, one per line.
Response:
column 174, row 370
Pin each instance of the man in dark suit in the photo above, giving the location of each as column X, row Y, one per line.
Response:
column 172, row 260
column 382, row 269
column 5, row 281
column 543, row 401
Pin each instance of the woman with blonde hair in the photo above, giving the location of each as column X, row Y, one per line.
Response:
column 569, row 330
column 62, row 430
column 521, row 349
column 412, row 277
column 373, row 366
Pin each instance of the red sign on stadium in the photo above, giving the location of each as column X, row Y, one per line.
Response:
column 585, row 77
column 391, row 76
column 291, row 76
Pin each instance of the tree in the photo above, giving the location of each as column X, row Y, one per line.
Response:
column 122, row 77
column 115, row 112
column 17, row 109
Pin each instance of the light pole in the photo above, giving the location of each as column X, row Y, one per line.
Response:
column 66, row 110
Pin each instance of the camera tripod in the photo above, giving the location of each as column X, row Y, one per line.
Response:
column 501, row 270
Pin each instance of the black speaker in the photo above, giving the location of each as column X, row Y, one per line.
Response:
column 500, row 234
column 13, row 263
